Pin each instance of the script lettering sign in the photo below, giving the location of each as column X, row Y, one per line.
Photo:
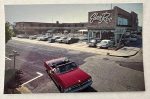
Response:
column 104, row 17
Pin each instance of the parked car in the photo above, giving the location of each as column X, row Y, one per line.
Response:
column 133, row 38
column 60, row 40
column 125, row 40
column 33, row 37
column 43, row 38
column 83, row 38
column 93, row 43
column 105, row 44
column 67, row 75
column 52, row 40
column 70, row 40
column 22, row 36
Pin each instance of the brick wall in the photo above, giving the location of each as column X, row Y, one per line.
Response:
column 101, row 20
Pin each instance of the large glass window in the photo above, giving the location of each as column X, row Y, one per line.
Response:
column 122, row 21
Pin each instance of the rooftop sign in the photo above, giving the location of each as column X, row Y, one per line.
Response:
column 104, row 17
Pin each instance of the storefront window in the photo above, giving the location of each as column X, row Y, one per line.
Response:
column 90, row 34
column 122, row 21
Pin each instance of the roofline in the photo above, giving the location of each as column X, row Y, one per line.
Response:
column 113, row 9
column 54, row 23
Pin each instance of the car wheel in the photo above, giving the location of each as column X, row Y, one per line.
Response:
column 61, row 89
column 46, row 70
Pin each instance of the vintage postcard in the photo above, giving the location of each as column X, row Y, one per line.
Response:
column 67, row 48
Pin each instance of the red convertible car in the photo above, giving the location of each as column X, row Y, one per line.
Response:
column 67, row 75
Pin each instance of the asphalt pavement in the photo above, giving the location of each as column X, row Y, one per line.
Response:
column 109, row 73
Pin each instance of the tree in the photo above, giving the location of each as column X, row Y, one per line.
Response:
column 8, row 32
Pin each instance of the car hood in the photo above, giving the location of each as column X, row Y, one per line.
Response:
column 101, row 44
column 92, row 43
column 73, row 77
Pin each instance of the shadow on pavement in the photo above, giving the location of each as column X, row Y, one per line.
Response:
column 89, row 89
column 132, row 65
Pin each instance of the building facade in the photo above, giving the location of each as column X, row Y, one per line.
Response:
column 41, row 28
column 111, row 24
column 106, row 24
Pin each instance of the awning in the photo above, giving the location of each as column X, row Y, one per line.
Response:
column 83, row 30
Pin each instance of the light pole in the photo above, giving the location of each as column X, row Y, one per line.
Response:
column 14, row 54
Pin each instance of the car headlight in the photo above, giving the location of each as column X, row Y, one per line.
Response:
column 68, row 89
column 90, row 79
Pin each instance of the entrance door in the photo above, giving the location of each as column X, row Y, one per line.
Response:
column 97, row 35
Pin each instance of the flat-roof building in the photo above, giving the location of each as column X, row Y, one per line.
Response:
column 104, row 24
column 41, row 28
column 111, row 24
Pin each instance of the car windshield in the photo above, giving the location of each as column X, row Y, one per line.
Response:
column 104, row 42
column 69, row 38
column 63, row 37
column 55, row 37
column 66, row 67
column 44, row 36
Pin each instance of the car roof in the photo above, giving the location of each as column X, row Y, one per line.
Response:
column 56, row 36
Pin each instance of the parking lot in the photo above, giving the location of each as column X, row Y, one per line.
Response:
column 108, row 73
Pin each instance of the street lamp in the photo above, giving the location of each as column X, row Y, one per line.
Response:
column 14, row 54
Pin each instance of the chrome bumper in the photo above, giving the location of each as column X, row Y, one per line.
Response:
column 81, row 87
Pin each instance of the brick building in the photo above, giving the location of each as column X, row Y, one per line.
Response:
column 41, row 28
column 111, row 24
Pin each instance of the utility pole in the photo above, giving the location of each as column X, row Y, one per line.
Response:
column 14, row 54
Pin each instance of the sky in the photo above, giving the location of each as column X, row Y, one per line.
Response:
column 64, row 13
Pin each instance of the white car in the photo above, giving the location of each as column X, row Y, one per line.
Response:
column 105, row 44
column 32, row 37
column 60, row 39
column 22, row 36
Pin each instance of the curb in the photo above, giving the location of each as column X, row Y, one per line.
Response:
column 82, row 49
column 23, row 90
column 124, row 55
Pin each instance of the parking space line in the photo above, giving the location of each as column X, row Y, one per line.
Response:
column 6, row 58
column 39, row 75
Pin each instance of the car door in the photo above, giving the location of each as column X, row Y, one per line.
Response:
column 54, row 77
column 109, row 43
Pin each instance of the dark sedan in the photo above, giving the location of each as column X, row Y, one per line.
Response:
column 70, row 40
column 93, row 43
column 53, row 39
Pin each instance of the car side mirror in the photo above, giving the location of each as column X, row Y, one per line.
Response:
column 53, row 70
column 49, row 71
